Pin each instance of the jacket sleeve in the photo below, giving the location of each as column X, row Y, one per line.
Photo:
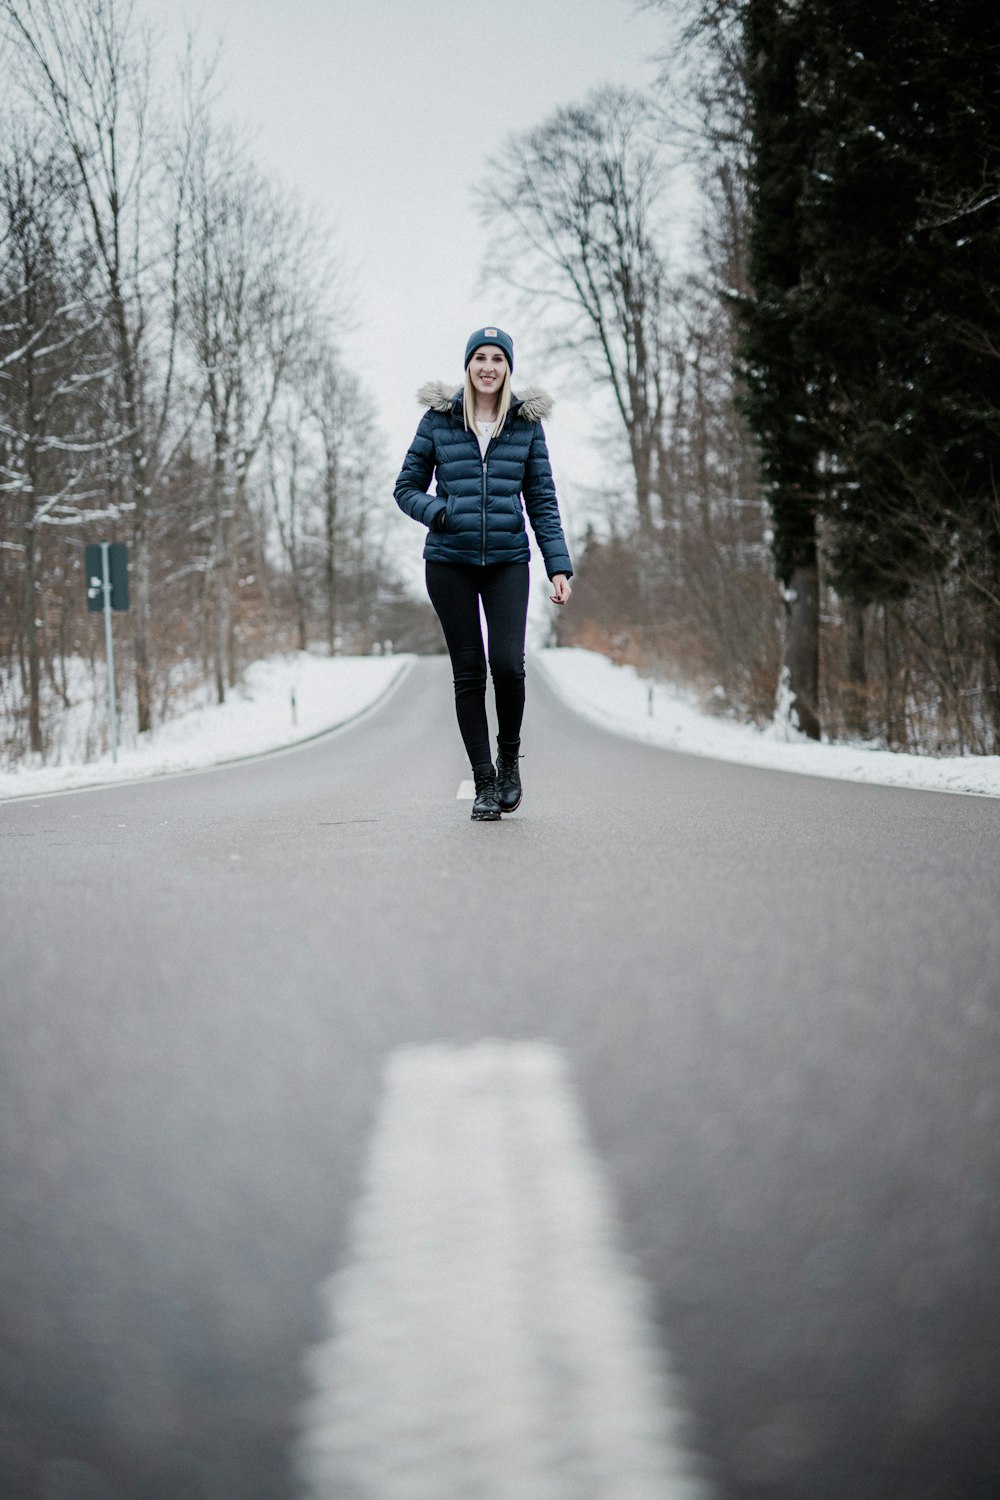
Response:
column 416, row 474
column 543, row 508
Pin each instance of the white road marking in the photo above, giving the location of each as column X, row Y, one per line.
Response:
column 488, row 1339
column 466, row 791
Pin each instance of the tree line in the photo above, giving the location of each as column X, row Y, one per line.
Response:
column 806, row 409
column 171, row 376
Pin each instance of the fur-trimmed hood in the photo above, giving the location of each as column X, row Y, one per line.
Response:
column 531, row 405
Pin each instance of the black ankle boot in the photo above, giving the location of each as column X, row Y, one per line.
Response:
column 508, row 777
column 486, row 807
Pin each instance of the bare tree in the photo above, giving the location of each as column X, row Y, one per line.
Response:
column 54, row 371
column 248, row 306
column 286, row 446
column 167, row 316
column 331, row 398
column 579, row 200
column 324, row 470
column 86, row 66
column 584, row 207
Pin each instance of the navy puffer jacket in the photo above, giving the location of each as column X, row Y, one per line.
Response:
column 480, row 500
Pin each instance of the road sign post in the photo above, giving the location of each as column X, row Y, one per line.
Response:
column 106, row 567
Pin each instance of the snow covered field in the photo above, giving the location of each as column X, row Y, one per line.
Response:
column 330, row 691
column 258, row 716
column 619, row 699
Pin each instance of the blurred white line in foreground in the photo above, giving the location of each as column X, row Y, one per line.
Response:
column 488, row 1339
column 466, row 790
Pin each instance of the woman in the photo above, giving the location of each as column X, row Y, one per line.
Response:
column 487, row 448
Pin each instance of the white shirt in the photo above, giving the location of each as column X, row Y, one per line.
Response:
column 484, row 431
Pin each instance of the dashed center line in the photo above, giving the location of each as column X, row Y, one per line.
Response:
column 466, row 791
column 488, row 1339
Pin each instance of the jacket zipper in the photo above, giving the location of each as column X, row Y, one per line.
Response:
column 483, row 546
column 486, row 455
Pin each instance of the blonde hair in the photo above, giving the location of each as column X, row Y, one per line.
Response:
column 469, row 400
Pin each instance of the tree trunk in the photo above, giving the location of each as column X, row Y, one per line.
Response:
column 140, row 627
column 136, row 475
column 856, row 686
column 219, row 566
column 234, row 522
column 32, row 600
column 889, row 709
column 330, row 559
column 642, row 467
column 993, row 643
column 256, row 528
column 802, row 644
column 31, row 634
column 218, row 641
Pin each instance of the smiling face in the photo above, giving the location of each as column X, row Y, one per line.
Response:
column 488, row 366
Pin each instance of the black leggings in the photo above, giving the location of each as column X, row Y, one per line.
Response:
column 455, row 590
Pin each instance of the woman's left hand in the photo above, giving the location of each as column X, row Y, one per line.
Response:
column 562, row 589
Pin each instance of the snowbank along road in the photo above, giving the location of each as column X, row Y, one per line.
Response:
column 643, row 1144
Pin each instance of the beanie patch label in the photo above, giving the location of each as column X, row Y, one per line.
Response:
column 491, row 332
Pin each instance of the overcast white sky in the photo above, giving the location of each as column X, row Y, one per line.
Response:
column 383, row 114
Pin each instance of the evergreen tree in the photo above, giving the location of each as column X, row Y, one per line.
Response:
column 903, row 217
column 870, row 346
column 779, row 382
column 903, row 241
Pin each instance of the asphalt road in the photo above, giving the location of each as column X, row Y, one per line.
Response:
column 778, row 997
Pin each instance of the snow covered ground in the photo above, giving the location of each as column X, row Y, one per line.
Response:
column 328, row 692
column 619, row 699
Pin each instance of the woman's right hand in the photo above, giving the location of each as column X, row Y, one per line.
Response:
column 562, row 589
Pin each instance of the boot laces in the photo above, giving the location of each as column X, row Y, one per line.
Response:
column 507, row 768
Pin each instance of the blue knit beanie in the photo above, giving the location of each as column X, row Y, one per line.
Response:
column 490, row 336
